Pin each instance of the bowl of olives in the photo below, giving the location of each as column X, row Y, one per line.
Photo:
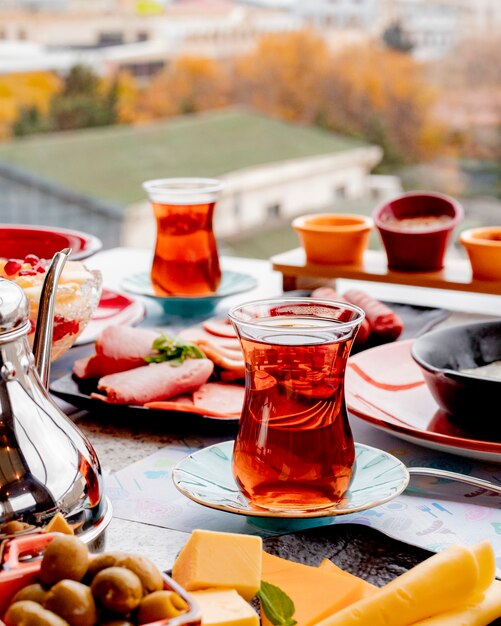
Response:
column 67, row 586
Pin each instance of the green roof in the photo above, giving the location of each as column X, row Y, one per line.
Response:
column 111, row 163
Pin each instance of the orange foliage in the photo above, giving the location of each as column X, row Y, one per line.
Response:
column 373, row 91
column 25, row 89
column 284, row 76
column 188, row 85
column 364, row 90
column 127, row 96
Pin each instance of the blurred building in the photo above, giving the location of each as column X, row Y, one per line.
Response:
column 433, row 27
column 337, row 14
column 141, row 44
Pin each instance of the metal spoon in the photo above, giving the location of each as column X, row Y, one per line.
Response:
column 462, row 478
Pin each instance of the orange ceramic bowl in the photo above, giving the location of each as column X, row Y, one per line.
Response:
column 483, row 246
column 333, row 238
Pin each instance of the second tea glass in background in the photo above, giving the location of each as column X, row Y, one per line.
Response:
column 294, row 450
column 186, row 261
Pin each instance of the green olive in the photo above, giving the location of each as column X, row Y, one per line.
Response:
column 102, row 561
column 73, row 602
column 34, row 592
column 27, row 613
column 117, row 589
column 160, row 605
column 65, row 557
column 145, row 570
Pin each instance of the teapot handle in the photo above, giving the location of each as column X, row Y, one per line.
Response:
column 42, row 344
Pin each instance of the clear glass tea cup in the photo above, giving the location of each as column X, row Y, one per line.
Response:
column 186, row 261
column 295, row 449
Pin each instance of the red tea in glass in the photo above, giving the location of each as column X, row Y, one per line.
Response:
column 294, row 449
column 186, row 261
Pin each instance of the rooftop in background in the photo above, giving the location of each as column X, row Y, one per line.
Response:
column 111, row 163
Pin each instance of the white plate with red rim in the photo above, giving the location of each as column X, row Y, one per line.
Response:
column 385, row 387
column 113, row 308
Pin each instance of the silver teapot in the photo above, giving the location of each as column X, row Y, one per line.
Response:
column 47, row 465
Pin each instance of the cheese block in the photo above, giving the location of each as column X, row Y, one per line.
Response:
column 59, row 525
column 224, row 607
column 479, row 611
column 220, row 560
column 440, row 584
column 368, row 588
column 315, row 591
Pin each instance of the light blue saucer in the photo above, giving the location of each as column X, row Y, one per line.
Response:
column 231, row 283
column 206, row 477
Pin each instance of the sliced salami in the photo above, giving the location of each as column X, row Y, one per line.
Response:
column 219, row 327
column 219, row 397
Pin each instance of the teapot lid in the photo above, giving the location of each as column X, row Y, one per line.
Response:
column 14, row 307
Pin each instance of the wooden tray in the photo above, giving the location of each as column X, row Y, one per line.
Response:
column 298, row 273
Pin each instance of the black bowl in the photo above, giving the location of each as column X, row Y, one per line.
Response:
column 472, row 399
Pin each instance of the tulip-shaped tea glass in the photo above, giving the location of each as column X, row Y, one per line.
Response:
column 186, row 261
column 294, row 449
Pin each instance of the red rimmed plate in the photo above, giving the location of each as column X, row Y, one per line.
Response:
column 18, row 240
column 113, row 308
column 385, row 387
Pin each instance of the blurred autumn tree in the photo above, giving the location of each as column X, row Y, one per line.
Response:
column 30, row 92
column 285, row 76
column 189, row 84
column 367, row 91
column 382, row 96
column 471, row 104
column 127, row 96
column 84, row 101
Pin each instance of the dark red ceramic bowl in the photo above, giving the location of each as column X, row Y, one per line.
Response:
column 18, row 240
column 416, row 228
column 471, row 398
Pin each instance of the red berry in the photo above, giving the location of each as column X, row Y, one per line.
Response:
column 12, row 267
column 27, row 273
column 64, row 327
column 40, row 269
column 32, row 259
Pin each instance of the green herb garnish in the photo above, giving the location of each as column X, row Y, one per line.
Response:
column 276, row 604
column 174, row 350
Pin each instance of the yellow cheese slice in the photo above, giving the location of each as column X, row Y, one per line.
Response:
column 479, row 611
column 59, row 525
column 368, row 588
column 486, row 562
column 224, row 607
column 439, row 584
column 220, row 560
column 315, row 591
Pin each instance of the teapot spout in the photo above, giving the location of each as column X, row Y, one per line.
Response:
column 42, row 344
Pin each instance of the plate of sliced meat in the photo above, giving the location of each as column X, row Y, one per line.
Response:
column 199, row 371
